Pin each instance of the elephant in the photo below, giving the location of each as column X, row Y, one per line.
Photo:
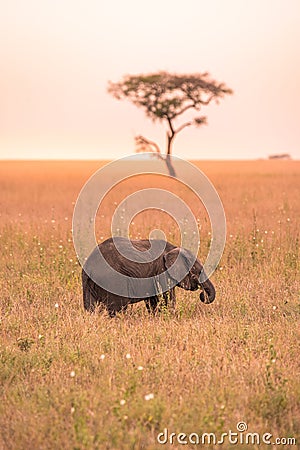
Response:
column 154, row 280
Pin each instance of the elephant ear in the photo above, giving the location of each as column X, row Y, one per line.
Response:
column 176, row 264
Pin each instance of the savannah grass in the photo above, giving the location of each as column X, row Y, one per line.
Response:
column 74, row 380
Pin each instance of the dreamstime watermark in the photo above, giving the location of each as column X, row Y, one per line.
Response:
column 108, row 178
column 239, row 437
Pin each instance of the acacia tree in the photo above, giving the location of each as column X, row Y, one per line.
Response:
column 164, row 97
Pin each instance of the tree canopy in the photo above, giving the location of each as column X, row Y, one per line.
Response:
column 165, row 96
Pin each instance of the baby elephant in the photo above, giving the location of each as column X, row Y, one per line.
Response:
column 120, row 272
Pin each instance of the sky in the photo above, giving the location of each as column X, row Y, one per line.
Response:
column 57, row 56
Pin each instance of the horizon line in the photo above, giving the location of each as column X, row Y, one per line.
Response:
column 113, row 159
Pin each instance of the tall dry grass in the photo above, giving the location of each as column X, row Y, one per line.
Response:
column 66, row 378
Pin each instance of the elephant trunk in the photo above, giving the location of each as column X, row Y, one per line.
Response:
column 209, row 293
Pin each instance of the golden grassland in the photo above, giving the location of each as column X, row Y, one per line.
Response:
column 65, row 379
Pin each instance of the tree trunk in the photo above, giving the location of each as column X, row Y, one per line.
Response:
column 170, row 167
column 168, row 159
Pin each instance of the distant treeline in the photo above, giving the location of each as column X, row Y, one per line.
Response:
column 281, row 156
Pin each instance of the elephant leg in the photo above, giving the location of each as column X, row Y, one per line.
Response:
column 116, row 305
column 151, row 304
column 89, row 300
column 155, row 304
column 169, row 299
column 172, row 299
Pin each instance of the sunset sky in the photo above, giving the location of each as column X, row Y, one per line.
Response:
column 57, row 56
